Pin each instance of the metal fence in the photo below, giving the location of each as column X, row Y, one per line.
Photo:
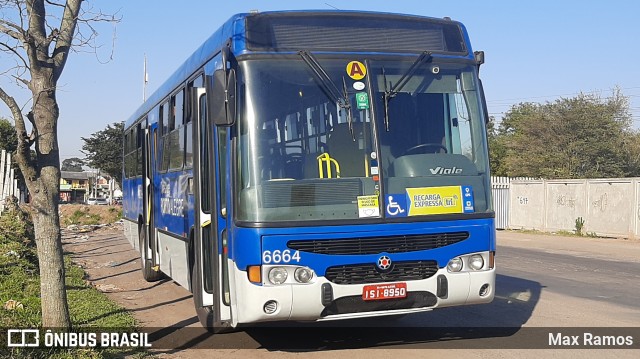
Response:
column 8, row 183
column 500, row 194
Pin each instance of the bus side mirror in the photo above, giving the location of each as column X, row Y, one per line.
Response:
column 222, row 97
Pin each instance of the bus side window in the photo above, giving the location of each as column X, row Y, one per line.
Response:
column 188, row 117
column 173, row 142
column 178, row 101
column 139, row 141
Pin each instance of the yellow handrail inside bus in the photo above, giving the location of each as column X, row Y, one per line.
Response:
column 366, row 166
column 326, row 158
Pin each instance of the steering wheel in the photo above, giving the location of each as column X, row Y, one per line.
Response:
column 422, row 147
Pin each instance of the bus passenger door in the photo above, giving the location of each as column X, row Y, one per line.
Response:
column 208, row 283
column 147, row 238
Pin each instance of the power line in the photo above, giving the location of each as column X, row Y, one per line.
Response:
column 567, row 94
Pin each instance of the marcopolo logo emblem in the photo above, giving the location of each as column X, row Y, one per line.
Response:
column 384, row 263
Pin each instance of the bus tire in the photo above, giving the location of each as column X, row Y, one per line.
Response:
column 146, row 267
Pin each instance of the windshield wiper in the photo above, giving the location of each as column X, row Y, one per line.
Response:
column 341, row 99
column 390, row 93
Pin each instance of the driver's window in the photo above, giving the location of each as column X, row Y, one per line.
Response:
column 460, row 126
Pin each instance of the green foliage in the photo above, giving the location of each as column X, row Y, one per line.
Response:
column 8, row 138
column 82, row 217
column 116, row 212
column 579, row 226
column 497, row 150
column 72, row 164
column 19, row 281
column 104, row 150
column 581, row 137
column 20, row 285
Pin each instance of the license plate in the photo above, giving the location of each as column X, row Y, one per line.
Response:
column 384, row 291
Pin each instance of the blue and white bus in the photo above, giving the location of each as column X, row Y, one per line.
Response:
column 316, row 165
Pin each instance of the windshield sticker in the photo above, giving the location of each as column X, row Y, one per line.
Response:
column 358, row 85
column 356, row 70
column 430, row 200
column 396, row 205
column 362, row 100
column 467, row 194
column 368, row 206
column 435, row 200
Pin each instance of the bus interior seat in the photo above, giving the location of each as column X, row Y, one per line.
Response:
column 430, row 114
column 398, row 139
column 293, row 159
column 271, row 161
column 346, row 151
column 310, row 165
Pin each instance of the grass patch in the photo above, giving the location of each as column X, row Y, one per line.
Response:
column 563, row 233
column 78, row 214
column 81, row 217
column 20, row 297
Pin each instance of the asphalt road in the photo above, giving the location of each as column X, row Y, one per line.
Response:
column 545, row 285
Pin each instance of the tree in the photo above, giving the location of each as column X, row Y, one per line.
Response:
column 104, row 150
column 496, row 149
column 632, row 145
column 581, row 137
column 8, row 139
column 73, row 164
column 39, row 35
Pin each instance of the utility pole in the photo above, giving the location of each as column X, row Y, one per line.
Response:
column 145, row 79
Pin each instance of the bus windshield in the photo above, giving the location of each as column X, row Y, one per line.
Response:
column 304, row 156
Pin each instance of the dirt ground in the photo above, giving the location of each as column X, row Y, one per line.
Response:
column 113, row 267
column 166, row 310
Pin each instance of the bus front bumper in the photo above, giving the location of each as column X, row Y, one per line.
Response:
column 323, row 300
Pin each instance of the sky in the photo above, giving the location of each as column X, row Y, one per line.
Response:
column 535, row 51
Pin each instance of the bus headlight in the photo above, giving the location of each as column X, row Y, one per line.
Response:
column 278, row 275
column 455, row 265
column 470, row 263
column 303, row 275
column 476, row 262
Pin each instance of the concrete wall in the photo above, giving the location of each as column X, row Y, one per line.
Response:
column 527, row 204
column 609, row 207
column 565, row 203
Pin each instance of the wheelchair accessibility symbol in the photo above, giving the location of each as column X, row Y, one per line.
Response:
column 396, row 205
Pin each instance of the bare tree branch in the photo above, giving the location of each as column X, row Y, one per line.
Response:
column 54, row 3
column 65, row 39
column 11, row 30
column 16, row 53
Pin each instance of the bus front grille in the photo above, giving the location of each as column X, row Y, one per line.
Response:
column 368, row 273
column 375, row 245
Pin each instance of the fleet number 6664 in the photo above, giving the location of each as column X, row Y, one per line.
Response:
column 279, row 256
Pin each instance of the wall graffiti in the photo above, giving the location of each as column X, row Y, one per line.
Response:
column 601, row 202
column 566, row 201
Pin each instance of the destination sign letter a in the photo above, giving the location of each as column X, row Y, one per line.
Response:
column 356, row 70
